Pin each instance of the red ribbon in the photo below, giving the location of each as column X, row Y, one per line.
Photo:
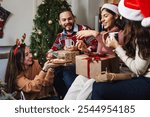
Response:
column 89, row 60
column 15, row 51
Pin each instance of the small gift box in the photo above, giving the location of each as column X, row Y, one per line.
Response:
column 91, row 66
column 67, row 55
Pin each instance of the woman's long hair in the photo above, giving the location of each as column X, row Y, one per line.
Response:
column 14, row 67
column 135, row 34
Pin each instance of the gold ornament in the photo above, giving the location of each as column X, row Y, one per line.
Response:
column 39, row 32
column 35, row 54
column 50, row 22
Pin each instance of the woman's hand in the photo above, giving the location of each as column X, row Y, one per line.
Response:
column 105, row 77
column 111, row 42
column 85, row 33
column 46, row 66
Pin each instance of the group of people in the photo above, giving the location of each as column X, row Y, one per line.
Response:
column 131, row 19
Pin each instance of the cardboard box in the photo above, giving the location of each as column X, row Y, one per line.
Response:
column 67, row 55
column 94, row 67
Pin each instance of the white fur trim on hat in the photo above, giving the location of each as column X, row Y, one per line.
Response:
column 111, row 7
column 129, row 13
column 146, row 22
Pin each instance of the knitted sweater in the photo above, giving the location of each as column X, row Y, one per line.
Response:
column 102, row 48
column 137, row 65
column 59, row 43
column 35, row 83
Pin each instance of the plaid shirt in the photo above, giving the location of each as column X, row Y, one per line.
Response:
column 59, row 43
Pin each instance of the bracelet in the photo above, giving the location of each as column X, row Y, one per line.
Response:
column 44, row 70
column 112, row 76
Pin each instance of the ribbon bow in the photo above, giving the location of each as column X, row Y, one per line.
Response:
column 92, row 57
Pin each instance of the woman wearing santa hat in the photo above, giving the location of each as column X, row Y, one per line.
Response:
column 135, row 54
column 111, row 22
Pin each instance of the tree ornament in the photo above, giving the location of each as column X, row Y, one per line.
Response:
column 35, row 54
column 50, row 22
column 39, row 32
column 43, row 58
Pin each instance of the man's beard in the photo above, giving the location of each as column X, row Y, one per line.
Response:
column 69, row 30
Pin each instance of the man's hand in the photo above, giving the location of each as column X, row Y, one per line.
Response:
column 49, row 56
column 81, row 46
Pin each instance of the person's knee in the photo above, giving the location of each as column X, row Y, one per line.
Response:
column 97, row 92
column 95, row 88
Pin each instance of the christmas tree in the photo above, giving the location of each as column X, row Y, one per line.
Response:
column 46, row 27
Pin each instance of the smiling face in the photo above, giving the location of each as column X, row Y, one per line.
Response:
column 28, row 60
column 108, row 20
column 66, row 20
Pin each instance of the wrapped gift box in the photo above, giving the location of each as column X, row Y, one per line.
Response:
column 67, row 55
column 92, row 66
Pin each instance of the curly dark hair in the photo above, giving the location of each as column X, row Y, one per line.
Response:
column 135, row 34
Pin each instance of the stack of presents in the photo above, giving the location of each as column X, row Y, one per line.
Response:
column 89, row 65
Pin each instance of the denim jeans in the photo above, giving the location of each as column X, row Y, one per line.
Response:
column 64, row 77
column 137, row 88
column 69, row 75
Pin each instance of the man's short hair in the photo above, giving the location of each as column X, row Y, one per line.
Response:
column 65, row 10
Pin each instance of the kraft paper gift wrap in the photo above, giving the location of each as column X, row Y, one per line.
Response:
column 92, row 66
column 67, row 55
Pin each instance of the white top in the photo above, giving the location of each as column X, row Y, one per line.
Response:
column 137, row 65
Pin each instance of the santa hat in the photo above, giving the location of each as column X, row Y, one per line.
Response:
column 136, row 10
column 110, row 6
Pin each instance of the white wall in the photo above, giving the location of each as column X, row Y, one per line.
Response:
column 3, row 62
column 86, row 10
column 20, row 21
column 79, row 8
